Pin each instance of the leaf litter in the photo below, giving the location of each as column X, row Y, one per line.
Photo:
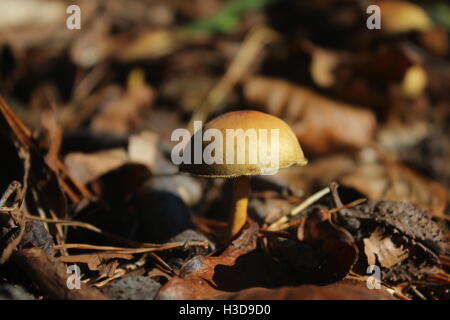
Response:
column 85, row 127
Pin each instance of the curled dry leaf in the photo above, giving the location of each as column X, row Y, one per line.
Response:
column 398, row 237
column 381, row 248
column 209, row 277
column 317, row 121
column 337, row 246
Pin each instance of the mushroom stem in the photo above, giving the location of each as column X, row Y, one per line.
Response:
column 239, row 205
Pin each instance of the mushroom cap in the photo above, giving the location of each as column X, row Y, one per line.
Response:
column 286, row 143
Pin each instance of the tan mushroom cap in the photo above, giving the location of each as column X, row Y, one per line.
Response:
column 290, row 152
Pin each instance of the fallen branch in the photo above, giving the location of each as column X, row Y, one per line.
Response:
column 51, row 276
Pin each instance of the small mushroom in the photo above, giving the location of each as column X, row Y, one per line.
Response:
column 241, row 159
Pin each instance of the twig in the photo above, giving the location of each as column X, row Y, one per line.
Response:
column 97, row 230
column 346, row 206
column 302, row 206
column 279, row 234
column 249, row 50
column 167, row 246
column 445, row 260
column 111, row 236
column 51, row 276
column 163, row 263
column 16, row 220
column 25, row 138
column 333, row 188
column 13, row 187
column 417, row 292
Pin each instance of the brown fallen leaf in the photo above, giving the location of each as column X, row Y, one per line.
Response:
column 396, row 236
column 317, row 173
column 209, row 277
column 94, row 261
column 342, row 290
column 143, row 148
column 317, row 121
column 336, row 245
column 380, row 248
column 86, row 167
column 391, row 180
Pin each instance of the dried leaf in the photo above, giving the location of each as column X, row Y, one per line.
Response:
column 343, row 290
column 143, row 148
column 379, row 248
column 393, row 181
column 336, row 245
column 86, row 167
column 317, row 121
column 94, row 261
column 209, row 277
column 398, row 237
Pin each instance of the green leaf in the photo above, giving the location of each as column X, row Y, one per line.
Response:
column 226, row 19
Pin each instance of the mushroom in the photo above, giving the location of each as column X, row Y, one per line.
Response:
column 241, row 159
